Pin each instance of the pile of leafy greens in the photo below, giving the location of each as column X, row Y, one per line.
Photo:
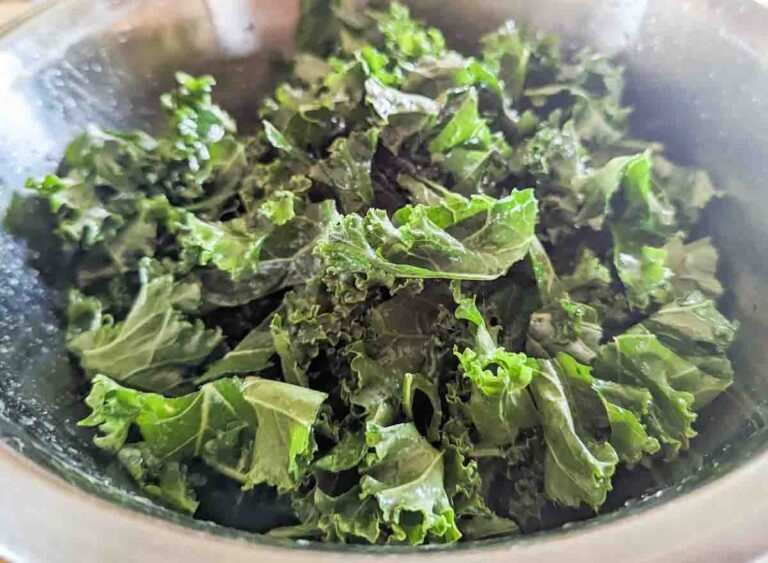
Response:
column 432, row 298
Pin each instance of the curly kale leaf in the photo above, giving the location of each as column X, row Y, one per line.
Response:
column 284, row 443
column 285, row 259
column 406, row 477
column 347, row 169
column 640, row 221
column 251, row 355
column 156, row 343
column 562, row 325
column 594, row 86
column 377, row 389
column 694, row 329
column 579, row 464
column 638, row 358
column 499, row 405
column 173, row 431
column 81, row 215
column 276, row 417
column 694, row 266
column 474, row 239
column 624, row 405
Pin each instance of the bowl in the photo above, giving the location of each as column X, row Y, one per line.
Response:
column 697, row 74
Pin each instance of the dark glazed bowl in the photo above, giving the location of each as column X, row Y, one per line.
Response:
column 697, row 75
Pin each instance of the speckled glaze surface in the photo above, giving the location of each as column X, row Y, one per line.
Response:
column 697, row 74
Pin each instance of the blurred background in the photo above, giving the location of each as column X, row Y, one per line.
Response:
column 9, row 9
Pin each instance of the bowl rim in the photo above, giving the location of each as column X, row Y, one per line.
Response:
column 53, row 519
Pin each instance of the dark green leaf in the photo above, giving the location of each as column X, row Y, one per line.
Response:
column 284, row 443
column 578, row 467
column 153, row 346
column 348, row 169
column 377, row 390
column 624, row 405
column 405, row 476
column 294, row 370
column 466, row 127
column 82, row 216
column 250, row 356
column 479, row 238
column 694, row 266
column 638, row 358
column 407, row 37
column 689, row 190
column 348, row 453
column 499, row 405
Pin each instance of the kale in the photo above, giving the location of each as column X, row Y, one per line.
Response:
column 431, row 297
